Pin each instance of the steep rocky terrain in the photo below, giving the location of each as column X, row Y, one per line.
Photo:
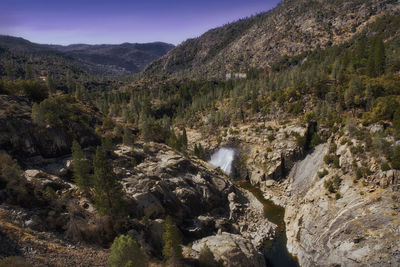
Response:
column 294, row 26
column 357, row 226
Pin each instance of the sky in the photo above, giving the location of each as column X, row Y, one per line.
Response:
column 118, row 21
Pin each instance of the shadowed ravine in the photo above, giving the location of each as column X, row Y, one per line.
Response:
column 275, row 251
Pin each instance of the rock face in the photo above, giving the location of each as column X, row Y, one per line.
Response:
column 355, row 225
column 233, row 250
column 168, row 183
column 199, row 197
column 292, row 27
column 22, row 139
column 360, row 227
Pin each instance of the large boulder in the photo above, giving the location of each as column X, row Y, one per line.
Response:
column 232, row 249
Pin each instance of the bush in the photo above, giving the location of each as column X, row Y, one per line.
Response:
column 271, row 137
column 301, row 141
column 395, row 158
column 108, row 124
column 385, row 166
column 332, row 160
column 323, row 173
column 333, row 184
column 206, row 258
column 332, row 147
column 126, row 252
column 315, row 140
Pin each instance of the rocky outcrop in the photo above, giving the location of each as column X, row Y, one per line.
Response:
column 233, row 250
column 357, row 226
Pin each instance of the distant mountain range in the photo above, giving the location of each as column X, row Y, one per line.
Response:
column 293, row 27
column 79, row 59
column 131, row 57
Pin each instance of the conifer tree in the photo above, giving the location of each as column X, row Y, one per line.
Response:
column 80, row 167
column 172, row 250
column 28, row 72
column 107, row 190
column 50, row 84
column 127, row 139
column 376, row 58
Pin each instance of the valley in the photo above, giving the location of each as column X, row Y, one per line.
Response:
column 270, row 141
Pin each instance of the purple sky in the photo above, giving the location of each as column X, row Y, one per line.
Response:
column 118, row 21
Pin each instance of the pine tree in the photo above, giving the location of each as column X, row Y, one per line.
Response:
column 184, row 139
column 28, row 72
column 50, row 84
column 379, row 57
column 107, row 190
column 126, row 252
column 81, row 167
column 376, row 58
column 127, row 139
column 172, row 250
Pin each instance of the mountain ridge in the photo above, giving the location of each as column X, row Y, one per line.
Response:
column 294, row 26
column 124, row 58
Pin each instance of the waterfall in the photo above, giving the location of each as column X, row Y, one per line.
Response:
column 223, row 158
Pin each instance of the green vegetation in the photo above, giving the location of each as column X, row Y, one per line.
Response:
column 323, row 173
column 108, row 196
column 172, row 237
column 333, row 184
column 206, row 258
column 332, row 160
column 58, row 111
column 81, row 167
column 126, row 252
column 13, row 183
column 199, row 151
column 34, row 90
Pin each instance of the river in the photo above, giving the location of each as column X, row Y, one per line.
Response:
column 275, row 251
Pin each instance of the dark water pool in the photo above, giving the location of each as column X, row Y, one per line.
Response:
column 275, row 251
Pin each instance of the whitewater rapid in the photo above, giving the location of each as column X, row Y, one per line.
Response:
column 223, row 158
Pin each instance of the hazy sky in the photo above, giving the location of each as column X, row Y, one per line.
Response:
column 118, row 21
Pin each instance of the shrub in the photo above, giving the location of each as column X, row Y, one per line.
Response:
column 315, row 140
column 323, row 173
column 332, row 160
column 332, row 147
column 333, row 184
column 206, row 258
column 108, row 124
column 126, row 252
column 395, row 158
column 385, row 166
column 301, row 141
column 271, row 137
column 357, row 150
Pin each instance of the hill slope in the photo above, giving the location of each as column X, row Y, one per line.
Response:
column 79, row 59
column 294, row 26
column 131, row 57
